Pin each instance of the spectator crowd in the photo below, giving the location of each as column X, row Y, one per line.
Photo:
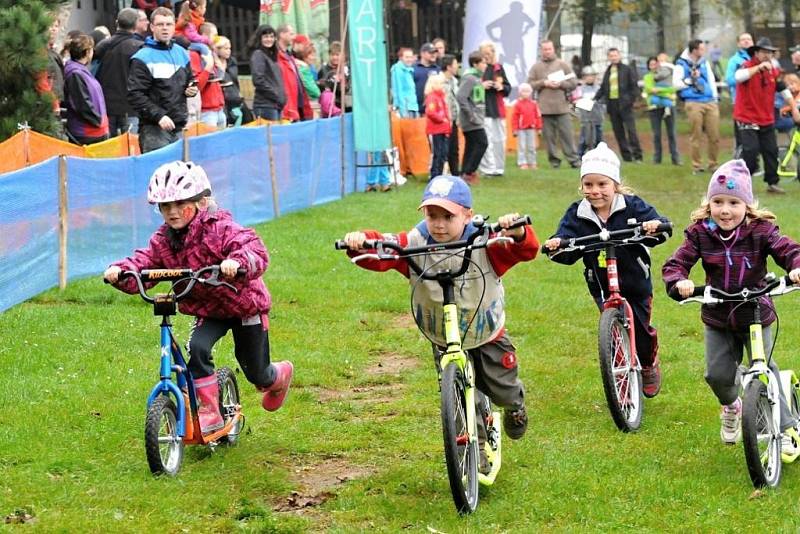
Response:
column 165, row 67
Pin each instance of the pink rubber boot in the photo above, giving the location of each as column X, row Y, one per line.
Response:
column 275, row 394
column 207, row 391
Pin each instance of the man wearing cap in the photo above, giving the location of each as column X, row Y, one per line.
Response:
column 756, row 84
column 425, row 67
column 697, row 87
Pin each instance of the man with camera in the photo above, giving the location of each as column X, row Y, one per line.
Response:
column 697, row 87
column 756, row 84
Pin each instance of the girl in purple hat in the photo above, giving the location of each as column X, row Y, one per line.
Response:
column 732, row 237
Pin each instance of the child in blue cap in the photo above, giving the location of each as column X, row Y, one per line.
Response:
column 447, row 207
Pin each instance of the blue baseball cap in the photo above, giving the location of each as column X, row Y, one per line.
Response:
column 448, row 192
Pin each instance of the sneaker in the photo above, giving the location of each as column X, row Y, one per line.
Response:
column 731, row 419
column 788, row 445
column 275, row 394
column 775, row 188
column 698, row 171
column 371, row 188
column 386, row 188
column 515, row 422
column 759, row 172
column 484, row 467
column 470, row 177
column 651, row 380
column 524, row 167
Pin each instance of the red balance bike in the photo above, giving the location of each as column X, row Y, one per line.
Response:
column 619, row 364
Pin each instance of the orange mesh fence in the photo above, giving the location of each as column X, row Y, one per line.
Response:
column 117, row 147
column 13, row 153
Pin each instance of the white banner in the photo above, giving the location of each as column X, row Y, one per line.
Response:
column 513, row 26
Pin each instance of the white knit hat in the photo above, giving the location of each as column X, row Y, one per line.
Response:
column 601, row 160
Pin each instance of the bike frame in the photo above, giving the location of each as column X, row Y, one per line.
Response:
column 616, row 300
column 170, row 352
column 791, row 151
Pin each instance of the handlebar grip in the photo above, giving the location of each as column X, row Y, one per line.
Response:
column 698, row 291
column 522, row 221
column 368, row 243
column 241, row 271
column 664, row 227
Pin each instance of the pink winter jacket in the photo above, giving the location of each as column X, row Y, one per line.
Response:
column 212, row 236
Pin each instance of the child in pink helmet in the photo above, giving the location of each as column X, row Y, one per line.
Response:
column 196, row 234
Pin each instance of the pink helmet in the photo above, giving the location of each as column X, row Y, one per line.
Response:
column 176, row 181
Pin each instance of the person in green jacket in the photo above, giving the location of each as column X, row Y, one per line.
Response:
column 660, row 96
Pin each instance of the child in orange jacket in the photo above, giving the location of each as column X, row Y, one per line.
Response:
column 526, row 122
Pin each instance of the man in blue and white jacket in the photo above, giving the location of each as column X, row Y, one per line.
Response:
column 159, row 80
column 697, row 87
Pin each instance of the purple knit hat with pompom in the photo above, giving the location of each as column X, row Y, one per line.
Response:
column 732, row 178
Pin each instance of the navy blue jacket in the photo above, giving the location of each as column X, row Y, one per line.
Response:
column 633, row 261
column 158, row 76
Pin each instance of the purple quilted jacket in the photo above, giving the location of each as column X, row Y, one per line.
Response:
column 731, row 266
column 212, row 236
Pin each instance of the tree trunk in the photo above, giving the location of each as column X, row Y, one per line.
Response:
column 661, row 24
column 788, row 33
column 588, row 16
column 747, row 15
column 551, row 9
column 694, row 18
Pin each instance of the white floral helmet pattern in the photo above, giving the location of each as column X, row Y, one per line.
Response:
column 177, row 180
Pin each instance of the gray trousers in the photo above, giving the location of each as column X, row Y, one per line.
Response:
column 724, row 351
column 494, row 159
column 496, row 376
column 152, row 137
column 526, row 147
column 559, row 127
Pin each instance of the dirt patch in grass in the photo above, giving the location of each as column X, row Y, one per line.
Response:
column 372, row 393
column 392, row 363
column 402, row 321
column 317, row 482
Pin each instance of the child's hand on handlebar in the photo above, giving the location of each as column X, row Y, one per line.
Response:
column 552, row 243
column 507, row 220
column 794, row 276
column 229, row 268
column 355, row 240
column 650, row 227
column 112, row 274
column 686, row 288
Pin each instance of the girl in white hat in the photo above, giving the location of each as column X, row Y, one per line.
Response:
column 607, row 204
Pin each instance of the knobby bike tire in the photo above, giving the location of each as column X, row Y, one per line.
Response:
column 762, row 450
column 461, row 454
column 228, row 400
column 622, row 383
column 163, row 445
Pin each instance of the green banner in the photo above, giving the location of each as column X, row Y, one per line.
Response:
column 369, row 84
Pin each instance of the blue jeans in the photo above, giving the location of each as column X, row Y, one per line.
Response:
column 270, row 114
column 656, row 117
column 217, row 118
column 440, row 143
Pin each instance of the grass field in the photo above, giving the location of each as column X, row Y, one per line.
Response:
column 358, row 445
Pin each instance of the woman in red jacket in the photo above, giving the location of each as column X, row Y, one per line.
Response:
column 437, row 122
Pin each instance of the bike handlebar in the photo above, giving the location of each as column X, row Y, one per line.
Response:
column 711, row 295
column 626, row 236
column 469, row 244
column 176, row 275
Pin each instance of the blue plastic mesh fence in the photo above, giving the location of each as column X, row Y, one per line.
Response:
column 28, row 232
column 108, row 215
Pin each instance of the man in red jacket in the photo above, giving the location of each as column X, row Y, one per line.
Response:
column 756, row 84
column 296, row 97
